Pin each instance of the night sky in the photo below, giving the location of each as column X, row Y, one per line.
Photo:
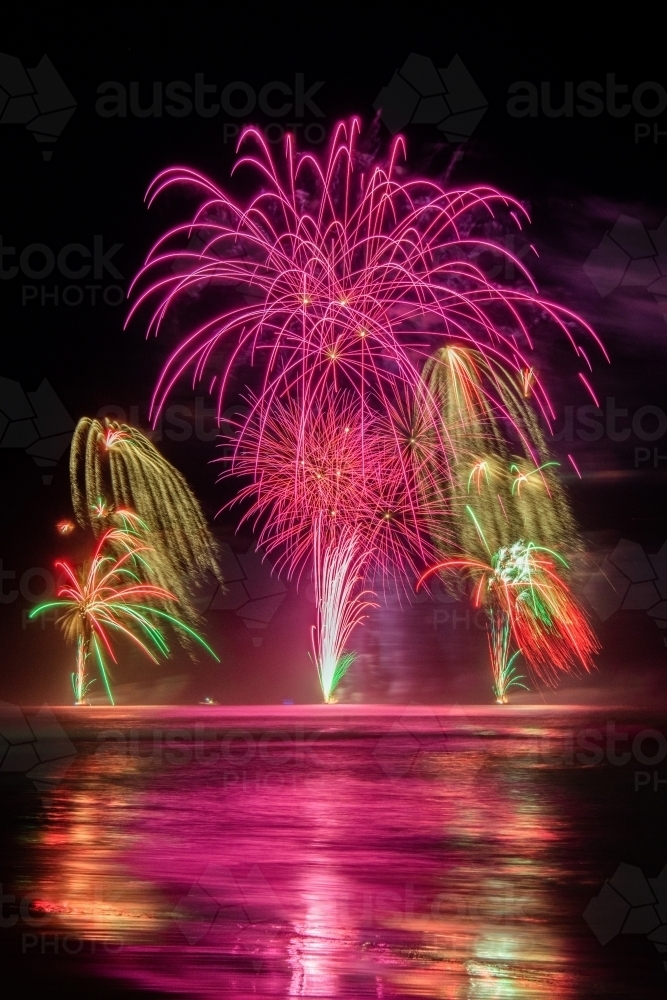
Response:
column 578, row 172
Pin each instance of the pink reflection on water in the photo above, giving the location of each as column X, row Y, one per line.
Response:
column 401, row 855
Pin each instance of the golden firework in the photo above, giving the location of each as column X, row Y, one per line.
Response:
column 117, row 473
column 503, row 482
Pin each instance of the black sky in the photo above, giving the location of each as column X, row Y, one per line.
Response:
column 577, row 175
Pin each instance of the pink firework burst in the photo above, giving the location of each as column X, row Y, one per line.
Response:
column 354, row 274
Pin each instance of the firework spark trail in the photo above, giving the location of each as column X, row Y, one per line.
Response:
column 107, row 596
column 497, row 494
column 117, row 475
column 338, row 571
column 521, row 585
column 505, row 676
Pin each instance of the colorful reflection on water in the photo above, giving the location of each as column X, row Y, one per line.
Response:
column 332, row 854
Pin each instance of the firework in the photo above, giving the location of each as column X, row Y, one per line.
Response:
column 505, row 674
column 118, row 477
column 342, row 277
column 347, row 470
column 343, row 261
column 503, row 481
column 65, row 527
column 351, row 512
column 521, row 587
column 109, row 595
column 337, row 571
column 498, row 495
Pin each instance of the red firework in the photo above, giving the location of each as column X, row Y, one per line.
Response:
column 350, row 472
column 523, row 590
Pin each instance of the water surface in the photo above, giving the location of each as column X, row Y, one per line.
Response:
column 333, row 852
